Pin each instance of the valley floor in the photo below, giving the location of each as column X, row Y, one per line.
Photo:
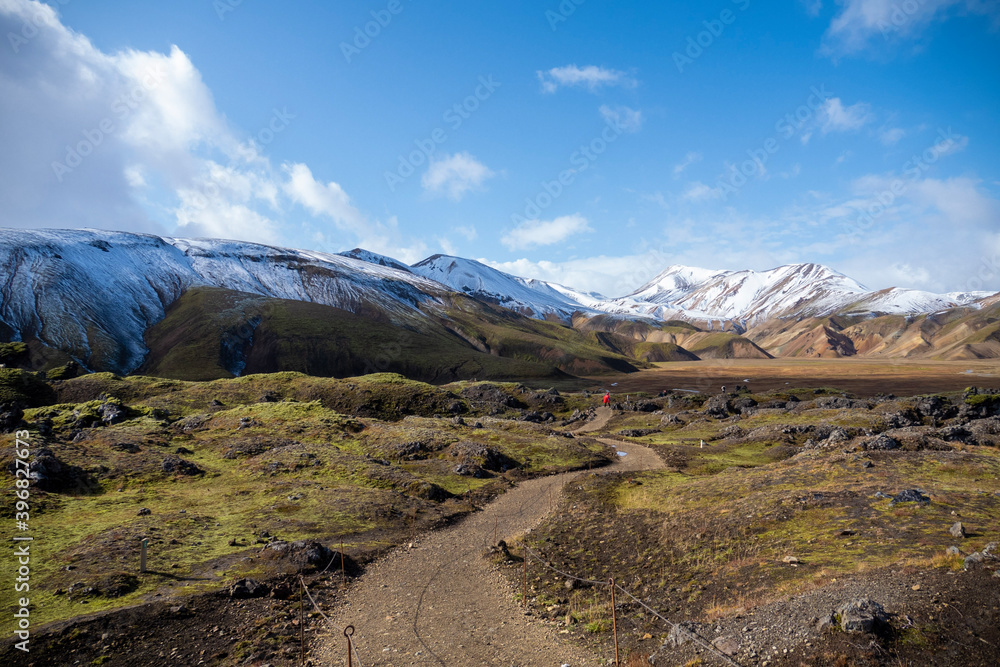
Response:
column 862, row 377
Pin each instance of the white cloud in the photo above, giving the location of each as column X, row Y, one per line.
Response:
column 328, row 200
column 891, row 135
column 833, row 116
column 688, row 160
column 535, row 233
column 863, row 21
column 627, row 119
column 698, row 191
column 590, row 77
column 468, row 231
column 455, row 175
column 609, row 276
column 132, row 140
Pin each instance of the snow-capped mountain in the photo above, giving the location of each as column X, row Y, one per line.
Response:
column 94, row 293
column 534, row 298
column 795, row 290
column 375, row 258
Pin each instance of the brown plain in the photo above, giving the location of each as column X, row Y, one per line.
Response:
column 862, row 377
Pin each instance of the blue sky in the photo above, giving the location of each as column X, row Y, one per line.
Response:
column 586, row 142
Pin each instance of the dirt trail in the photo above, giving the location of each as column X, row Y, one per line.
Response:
column 441, row 604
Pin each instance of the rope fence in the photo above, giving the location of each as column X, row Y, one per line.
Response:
column 694, row 636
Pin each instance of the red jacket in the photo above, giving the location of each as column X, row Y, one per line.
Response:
column 607, row 399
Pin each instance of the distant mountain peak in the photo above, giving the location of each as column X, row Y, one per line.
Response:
column 375, row 258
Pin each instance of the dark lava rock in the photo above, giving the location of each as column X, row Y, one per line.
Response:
column 646, row 406
column 491, row 397
column 881, row 443
column 183, row 450
column 269, row 397
column 144, row 511
column 901, row 419
column 935, row 407
column 744, row 403
column 307, row 556
column 717, row 406
column 838, row 435
column 732, row 432
column 408, row 451
column 245, row 589
column 487, row 458
column 681, row 634
column 956, row 434
column 173, row 464
column 861, row 615
column 637, row 432
column 112, row 413
column 427, row 491
column 911, row 496
column 470, row 470
column 129, row 447
column 11, row 417
column 47, row 472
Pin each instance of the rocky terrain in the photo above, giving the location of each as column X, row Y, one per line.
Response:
column 783, row 527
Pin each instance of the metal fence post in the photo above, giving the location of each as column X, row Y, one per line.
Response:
column 614, row 621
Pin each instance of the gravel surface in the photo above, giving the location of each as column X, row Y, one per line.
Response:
column 439, row 601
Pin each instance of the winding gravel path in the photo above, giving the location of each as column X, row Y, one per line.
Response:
column 440, row 603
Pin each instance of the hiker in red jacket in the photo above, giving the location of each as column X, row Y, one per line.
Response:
column 607, row 399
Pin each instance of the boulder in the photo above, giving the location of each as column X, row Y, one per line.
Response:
column 307, row 556
column 245, row 589
column 112, row 413
column 681, row 634
column 881, row 443
column 177, row 465
column 957, row 530
column 861, row 615
column 911, row 496
column 11, row 417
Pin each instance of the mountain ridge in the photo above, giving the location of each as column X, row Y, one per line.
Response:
column 93, row 296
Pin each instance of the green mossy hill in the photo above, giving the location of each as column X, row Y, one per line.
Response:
column 385, row 396
column 381, row 395
column 13, row 354
column 24, row 388
column 211, row 472
column 502, row 332
column 212, row 333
